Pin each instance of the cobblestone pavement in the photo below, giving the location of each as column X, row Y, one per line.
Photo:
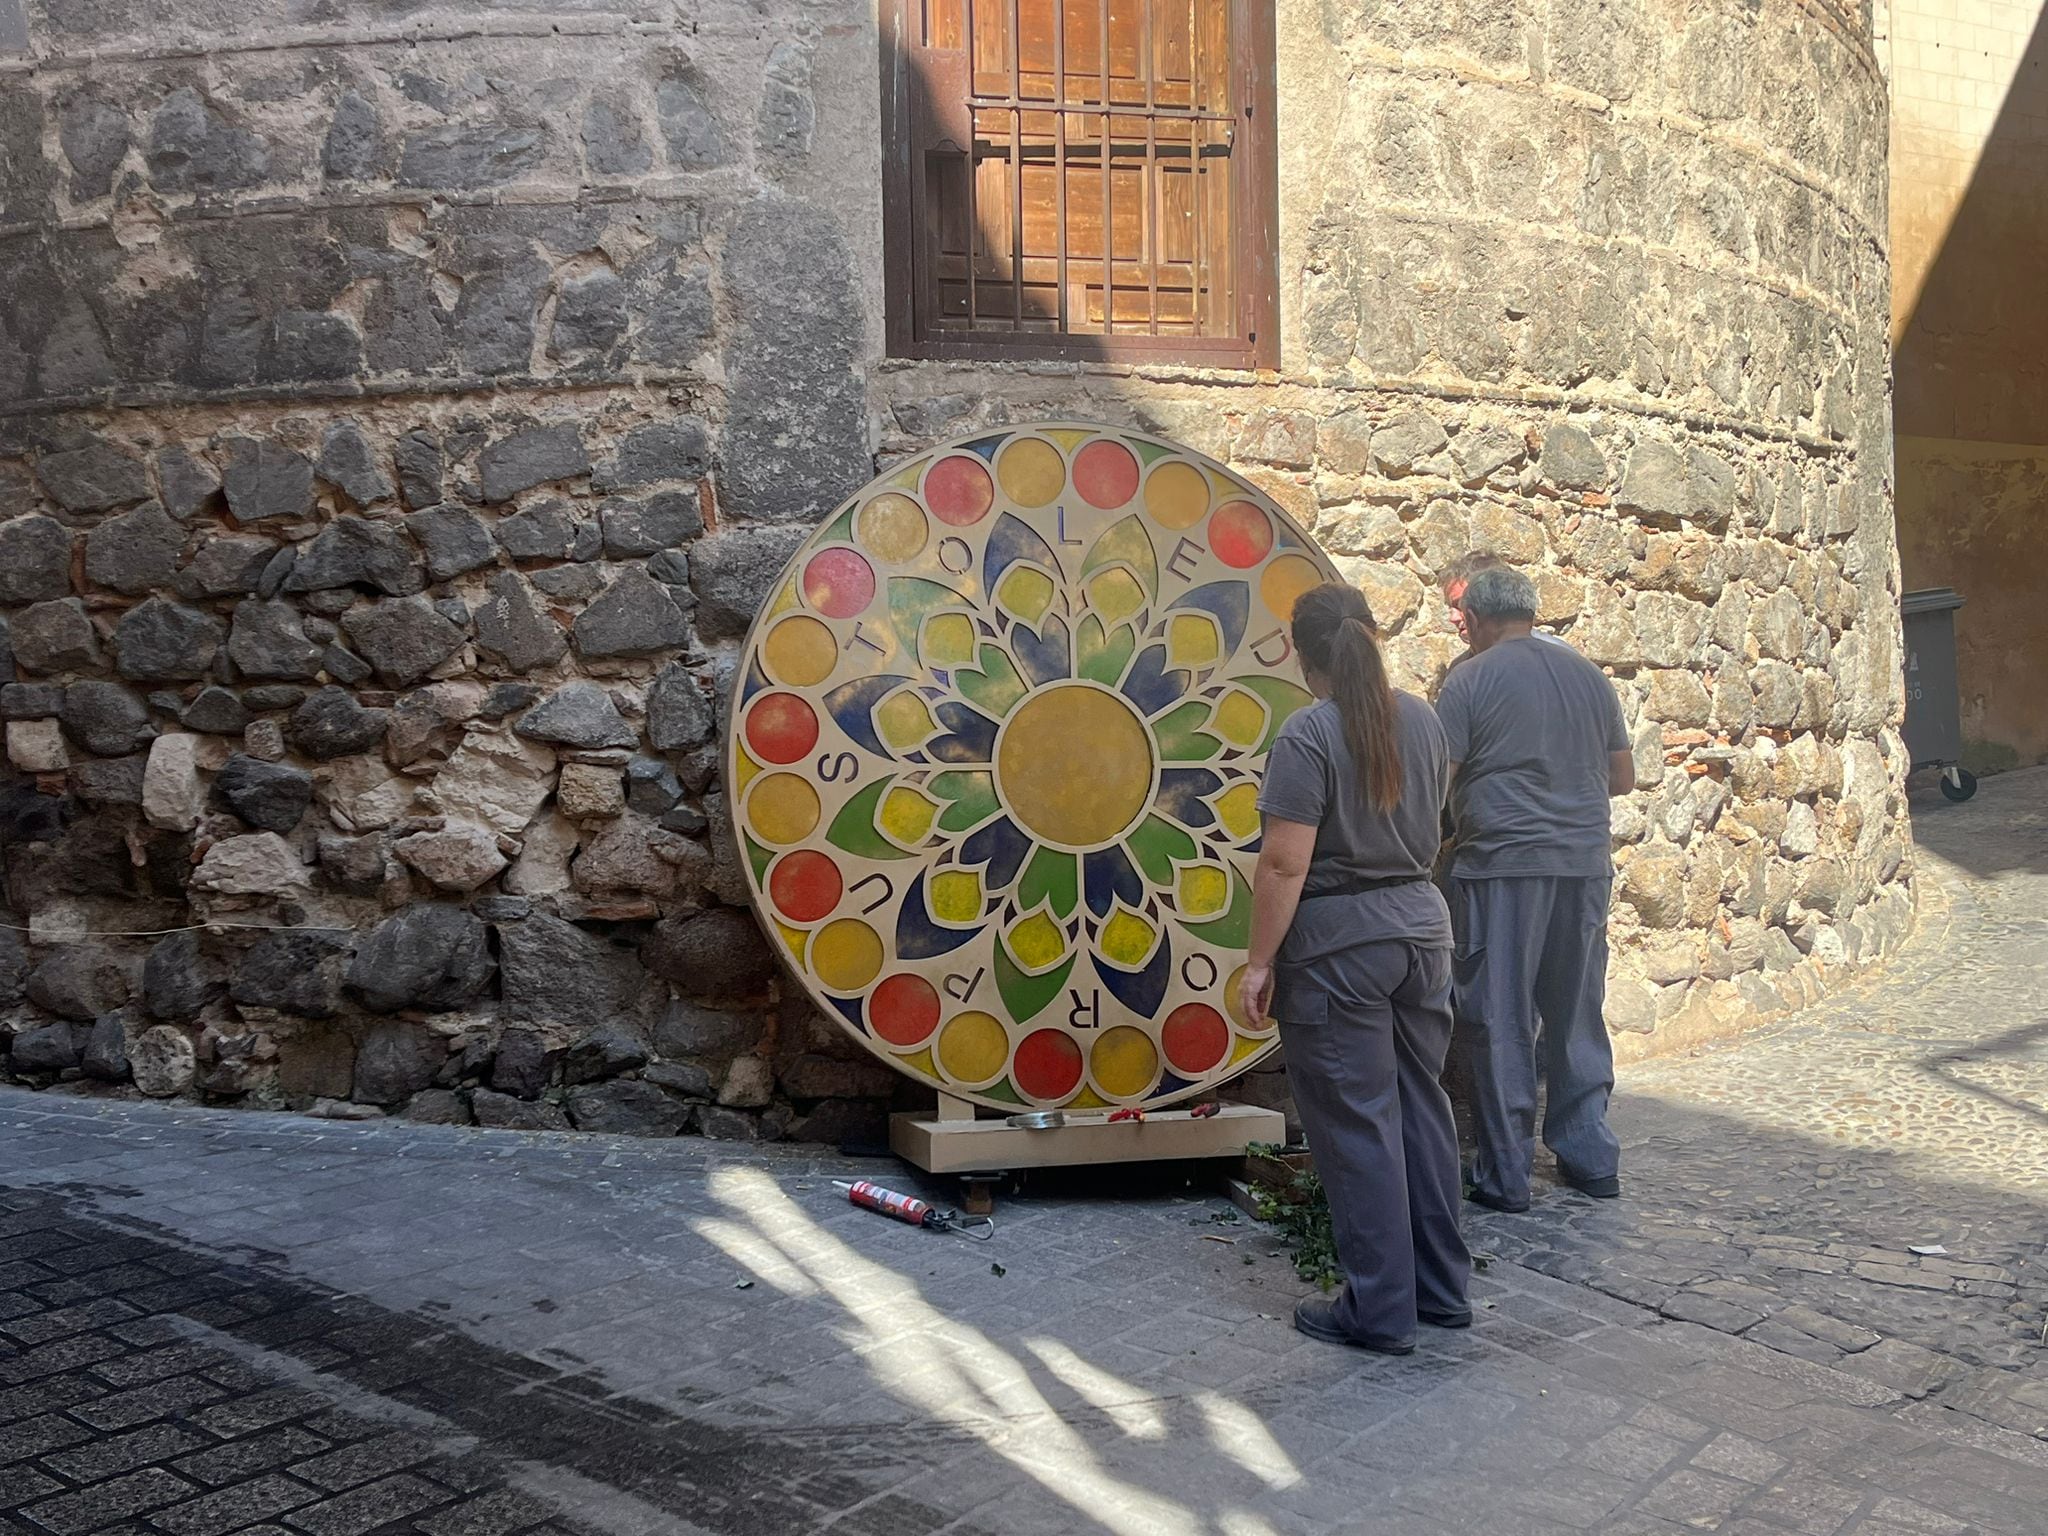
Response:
column 223, row 1321
column 1777, row 1186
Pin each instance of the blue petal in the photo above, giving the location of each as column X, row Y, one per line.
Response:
column 1042, row 657
column 917, row 936
column 973, row 738
column 853, row 706
column 1001, row 845
column 1183, row 795
column 1012, row 539
column 987, row 446
column 1141, row 991
column 1151, row 685
column 756, row 680
column 1107, row 875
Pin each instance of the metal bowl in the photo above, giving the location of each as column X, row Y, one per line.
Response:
column 1037, row 1120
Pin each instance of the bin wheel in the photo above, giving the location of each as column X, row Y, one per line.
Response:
column 1961, row 787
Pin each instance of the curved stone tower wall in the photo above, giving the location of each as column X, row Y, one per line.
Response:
column 402, row 410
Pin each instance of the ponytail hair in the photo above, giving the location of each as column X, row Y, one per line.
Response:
column 1336, row 636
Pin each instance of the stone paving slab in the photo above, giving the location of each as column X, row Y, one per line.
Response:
column 1777, row 1185
column 432, row 1330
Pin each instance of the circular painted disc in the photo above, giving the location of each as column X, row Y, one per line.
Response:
column 995, row 759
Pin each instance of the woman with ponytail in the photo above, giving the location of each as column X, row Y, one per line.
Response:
column 1351, row 953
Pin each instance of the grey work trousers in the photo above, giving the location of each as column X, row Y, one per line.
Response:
column 1533, row 948
column 1365, row 1030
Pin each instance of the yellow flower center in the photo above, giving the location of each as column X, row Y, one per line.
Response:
column 1075, row 766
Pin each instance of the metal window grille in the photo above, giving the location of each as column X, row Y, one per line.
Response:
column 1080, row 178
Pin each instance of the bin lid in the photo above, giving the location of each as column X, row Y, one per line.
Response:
column 1930, row 600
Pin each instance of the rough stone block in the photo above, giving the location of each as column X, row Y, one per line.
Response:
column 265, row 479
column 173, row 793
column 532, row 457
column 35, row 561
column 162, row 641
column 93, row 478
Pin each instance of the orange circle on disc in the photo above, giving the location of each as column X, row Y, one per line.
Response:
column 1241, row 534
column 1047, row 1066
column 1106, row 475
column 958, row 490
column 904, row 1010
column 781, row 728
column 1194, row 1038
column 839, row 582
column 1283, row 582
column 805, row 885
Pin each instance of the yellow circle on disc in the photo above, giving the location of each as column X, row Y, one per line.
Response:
column 846, row 954
column 1075, row 766
column 1124, row 1061
column 800, row 651
column 973, row 1047
column 1284, row 581
column 1176, row 495
column 1231, row 1002
column 782, row 809
column 894, row 527
column 1032, row 472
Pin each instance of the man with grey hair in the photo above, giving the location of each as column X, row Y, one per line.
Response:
column 1538, row 747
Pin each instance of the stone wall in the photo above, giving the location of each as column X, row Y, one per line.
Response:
column 405, row 409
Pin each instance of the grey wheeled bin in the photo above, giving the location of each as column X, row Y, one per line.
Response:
column 1934, row 723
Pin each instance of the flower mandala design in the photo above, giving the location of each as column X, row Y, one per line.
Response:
column 996, row 758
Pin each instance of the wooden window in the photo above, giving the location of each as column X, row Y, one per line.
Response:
column 1080, row 179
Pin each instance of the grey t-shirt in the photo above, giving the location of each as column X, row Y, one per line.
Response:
column 1532, row 723
column 1311, row 779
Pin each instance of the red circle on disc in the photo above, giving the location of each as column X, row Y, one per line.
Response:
column 1194, row 1038
column 805, row 885
column 959, row 491
column 839, row 582
column 1106, row 475
column 1241, row 534
column 904, row 1010
column 1048, row 1065
column 781, row 728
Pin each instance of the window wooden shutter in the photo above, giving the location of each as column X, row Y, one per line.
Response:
column 1018, row 132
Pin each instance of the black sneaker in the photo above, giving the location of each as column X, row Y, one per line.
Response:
column 1494, row 1203
column 1446, row 1319
column 1318, row 1319
column 1605, row 1187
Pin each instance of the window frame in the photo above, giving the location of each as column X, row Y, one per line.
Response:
column 1254, row 237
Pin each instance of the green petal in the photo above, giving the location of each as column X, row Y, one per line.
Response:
column 973, row 793
column 1052, row 875
column 853, row 829
column 1155, row 845
column 1102, row 660
column 1180, row 737
column 1126, row 541
column 1026, row 996
column 996, row 688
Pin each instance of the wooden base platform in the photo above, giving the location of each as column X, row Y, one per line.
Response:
column 955, row 1141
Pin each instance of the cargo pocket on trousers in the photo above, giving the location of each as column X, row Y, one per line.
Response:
column 1299, row 1002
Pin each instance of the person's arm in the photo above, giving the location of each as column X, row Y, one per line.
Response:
column 1621, row 757
column 1276, row 892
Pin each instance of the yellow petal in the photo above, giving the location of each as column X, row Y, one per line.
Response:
column 1240, row 718
column 907, row 815
column 948, row 640
column 1115, row 595
column 1238, row 809
column 905, row 720
column 956, row 896
column 1192, row 640
column 1204, row 890
column 1127, row 938
column 1037, row 942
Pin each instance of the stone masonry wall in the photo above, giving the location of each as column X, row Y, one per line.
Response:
column 403, row 410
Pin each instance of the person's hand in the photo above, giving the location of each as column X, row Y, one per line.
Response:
column 1255, row 992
